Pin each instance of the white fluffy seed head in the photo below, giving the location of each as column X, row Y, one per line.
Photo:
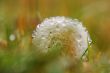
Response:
column 70, row 33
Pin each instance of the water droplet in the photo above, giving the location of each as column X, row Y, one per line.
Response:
column 12, row 37
column 63, row 24
column 43, row 38
column 38, row 26
column 79, row 40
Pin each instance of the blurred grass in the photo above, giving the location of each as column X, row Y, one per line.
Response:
column 19, row 17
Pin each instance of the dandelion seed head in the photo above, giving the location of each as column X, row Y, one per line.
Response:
column 56, row 27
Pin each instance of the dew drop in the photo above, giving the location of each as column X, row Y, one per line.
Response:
column 12, row 37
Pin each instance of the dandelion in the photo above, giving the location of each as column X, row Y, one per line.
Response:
column 70, row 34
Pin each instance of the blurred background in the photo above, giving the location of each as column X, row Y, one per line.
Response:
column 18, row 18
